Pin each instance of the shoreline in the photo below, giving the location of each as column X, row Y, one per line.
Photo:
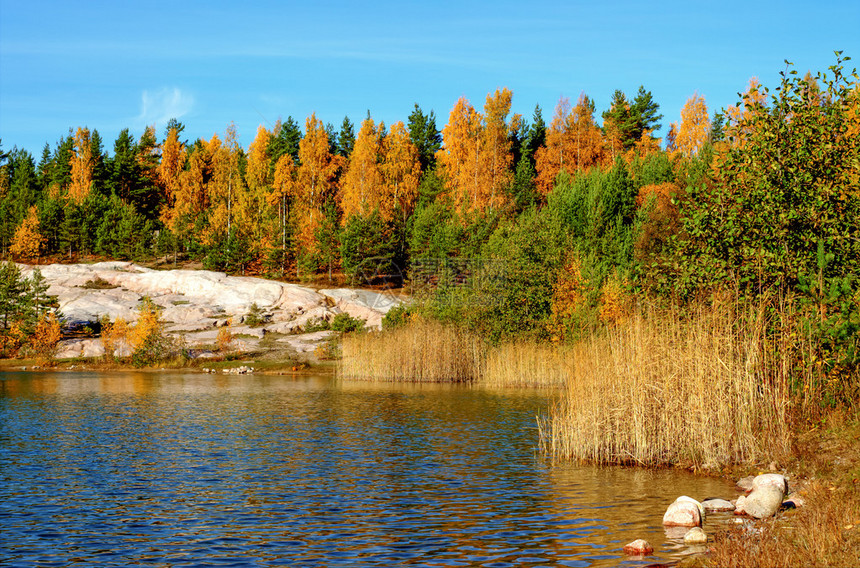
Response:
column 285, row 367
column 825, row 479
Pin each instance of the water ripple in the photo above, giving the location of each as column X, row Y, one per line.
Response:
column 188, row 470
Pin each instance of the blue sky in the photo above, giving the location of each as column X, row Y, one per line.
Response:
column 114, row 65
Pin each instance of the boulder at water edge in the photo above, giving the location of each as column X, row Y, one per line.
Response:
column 765, row 499
column 745, row 484
column 774, row 480
column 638, row 547
column 684, row 512
column 763, row 502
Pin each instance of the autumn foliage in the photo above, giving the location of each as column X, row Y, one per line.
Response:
column 28, row 241
column 573, row 143
column 476, row 157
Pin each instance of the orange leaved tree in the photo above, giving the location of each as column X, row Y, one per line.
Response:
column 28, row 241
column 361, row 192
column 573, row 142
column 475, row 160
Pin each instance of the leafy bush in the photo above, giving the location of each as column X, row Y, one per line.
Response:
column 398, row 316
column 316, row 324
column 344, row 323
column 255, row 316
column 147, row 337
column 98, row 283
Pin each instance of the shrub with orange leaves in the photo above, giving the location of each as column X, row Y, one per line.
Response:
column 569, row 301
column 659, row 219
column 615, row 301
column 147, row 336
column 12, row 339
column 224, row 341
column 114, row 336
column 46, row 335
column 27, row 242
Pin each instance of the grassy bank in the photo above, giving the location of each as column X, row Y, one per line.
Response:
column 825, row 531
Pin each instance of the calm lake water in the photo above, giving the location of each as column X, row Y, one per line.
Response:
column 146, row 469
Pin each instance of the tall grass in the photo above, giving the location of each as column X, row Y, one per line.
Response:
column 703, row 386
column 424, row 351
column 428, row 351
column 706, row 387
column 525, row 364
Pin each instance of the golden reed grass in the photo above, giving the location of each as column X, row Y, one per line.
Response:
column 424, row 351
column 428, row 351
column 704, row 388
column 525, row 364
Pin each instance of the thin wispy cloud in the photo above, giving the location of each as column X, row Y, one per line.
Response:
column 158, row 107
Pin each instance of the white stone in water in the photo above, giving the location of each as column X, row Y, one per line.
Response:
column 718, row 505
column 684, row 512
column 695, row 536
column 685, row 499
column 638, row 547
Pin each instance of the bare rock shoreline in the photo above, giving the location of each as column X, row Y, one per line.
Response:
column 195, row 303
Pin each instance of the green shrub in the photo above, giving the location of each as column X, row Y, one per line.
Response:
column 398, row 316
column 255, row 316
column 316, row 324
column 344, row 323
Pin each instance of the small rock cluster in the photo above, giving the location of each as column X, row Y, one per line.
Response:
column 243, row 370
column 762, row 496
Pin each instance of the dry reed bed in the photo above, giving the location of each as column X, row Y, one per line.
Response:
column 525, row 364
column 707, row 389
column 702, row 387
column 424, row 351
column 428, row 351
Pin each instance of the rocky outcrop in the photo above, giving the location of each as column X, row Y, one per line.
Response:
column 362, row 304
column 195, row 302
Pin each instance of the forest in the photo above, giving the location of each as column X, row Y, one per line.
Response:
column 509, row 226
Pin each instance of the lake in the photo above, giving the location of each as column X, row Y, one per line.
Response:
column 183, row 469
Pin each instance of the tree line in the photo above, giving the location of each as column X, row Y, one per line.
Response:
column 511, row 226
column 302, row 202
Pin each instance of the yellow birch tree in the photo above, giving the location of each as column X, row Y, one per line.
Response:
column 361, row 193
column 252, row 211
column 81, row 163
column 695, row 126
column 401, row 172
column 173, row 157
column 315, row 181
